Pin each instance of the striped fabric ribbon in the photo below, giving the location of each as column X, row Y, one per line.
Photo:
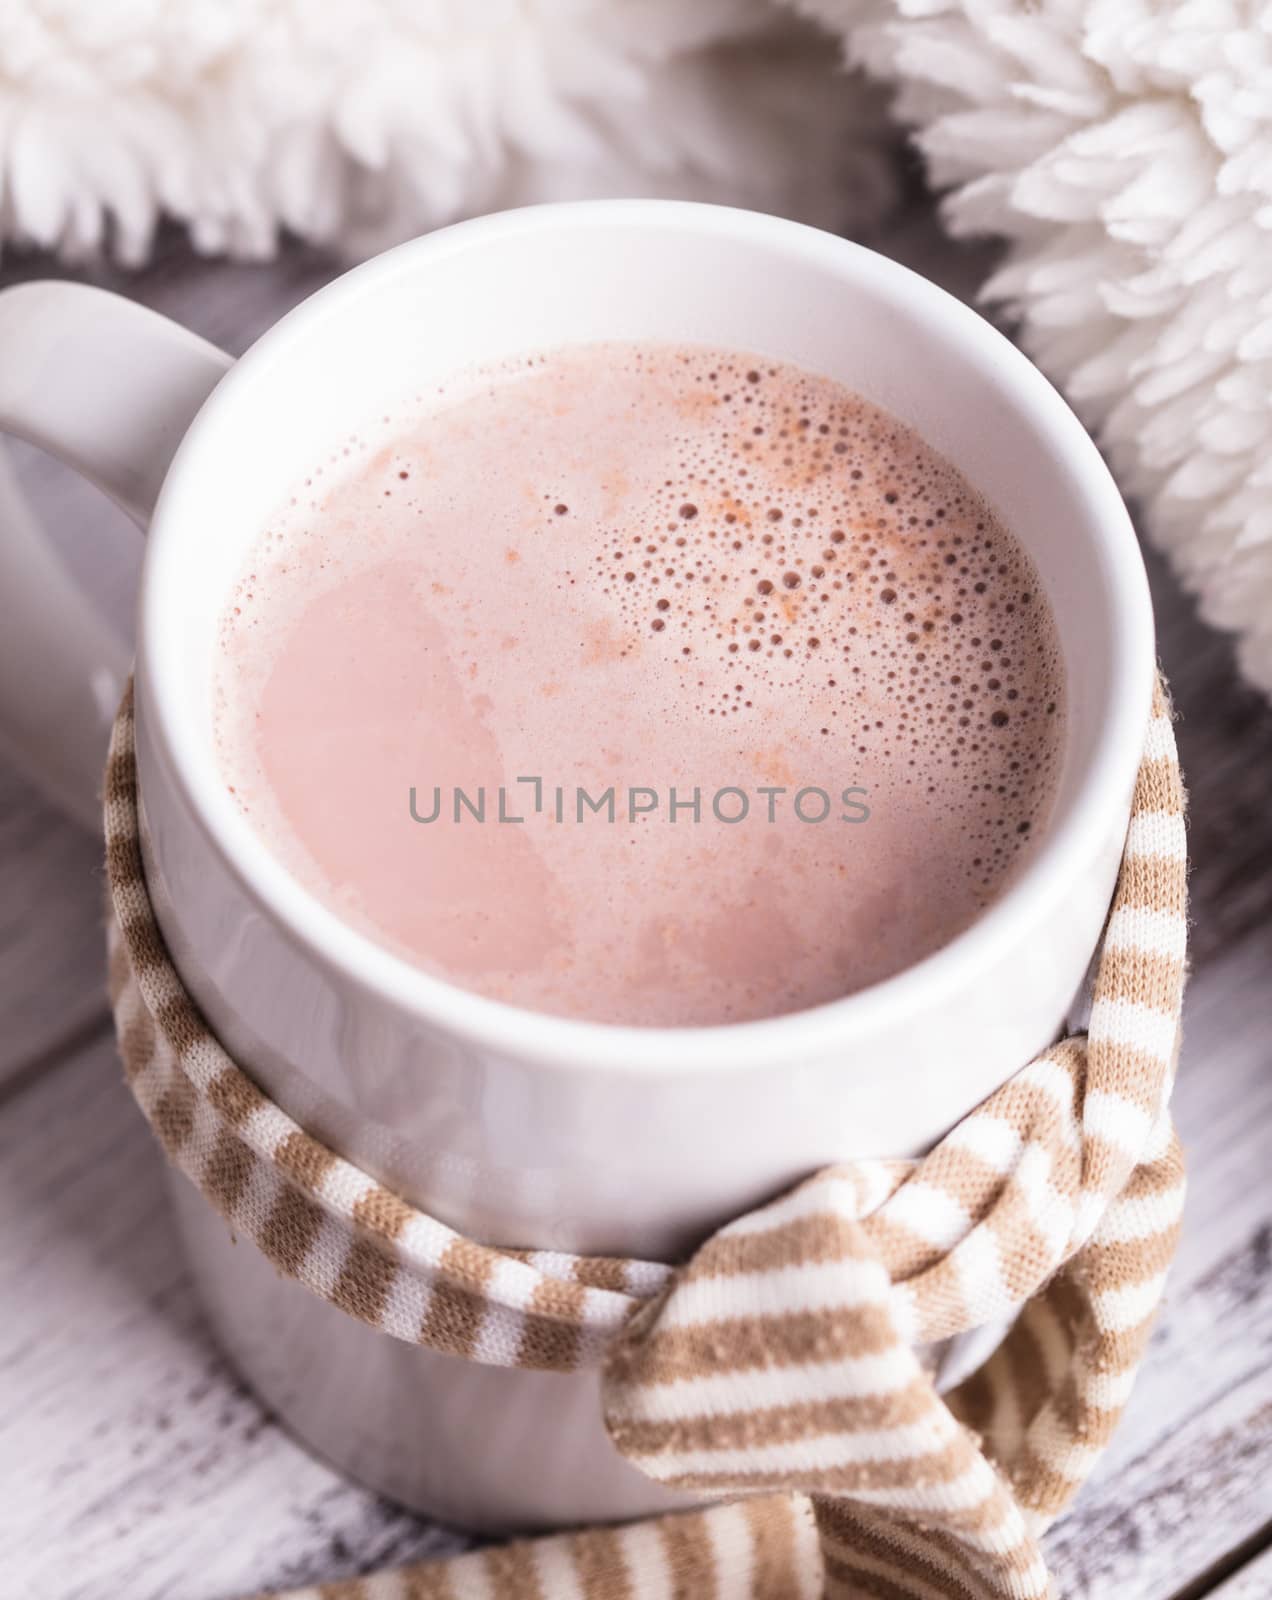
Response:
column 775, row 1371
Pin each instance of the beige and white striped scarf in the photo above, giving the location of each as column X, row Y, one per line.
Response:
column 775, row 1370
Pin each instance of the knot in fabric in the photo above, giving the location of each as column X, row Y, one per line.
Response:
column 775, row 1371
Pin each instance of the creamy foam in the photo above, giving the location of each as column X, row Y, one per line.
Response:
column 643, row 567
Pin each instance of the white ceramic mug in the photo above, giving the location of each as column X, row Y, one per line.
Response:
column 517, row 1128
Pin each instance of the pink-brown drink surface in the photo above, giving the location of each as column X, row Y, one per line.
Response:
column 588, row 588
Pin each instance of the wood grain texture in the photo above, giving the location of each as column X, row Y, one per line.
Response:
column 51, row 971
column 1187, row 1477
column 133, row 1464
column 1250, row 1582
column 1225, row 748
column 128, row 1423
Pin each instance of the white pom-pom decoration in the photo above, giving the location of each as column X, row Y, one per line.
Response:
column 360, row 122
column 1124, row 148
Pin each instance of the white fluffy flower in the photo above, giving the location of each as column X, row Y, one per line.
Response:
column 1124, row 147
column 363, row 121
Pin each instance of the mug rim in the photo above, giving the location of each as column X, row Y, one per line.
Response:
column 1071, row 840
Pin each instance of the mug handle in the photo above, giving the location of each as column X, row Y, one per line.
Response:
column 109, row 388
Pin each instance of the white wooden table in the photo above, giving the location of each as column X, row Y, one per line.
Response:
column 134, row 1466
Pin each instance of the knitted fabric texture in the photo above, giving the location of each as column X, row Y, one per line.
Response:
column 776, row 1368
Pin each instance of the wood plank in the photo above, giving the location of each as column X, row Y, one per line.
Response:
column 1225, row 745
column 146, row 1470
column 140, row 1449
column 141, row 1444
column 51, row 969
column 1250, row 1582
column 1187, row 1477
column 52, row 973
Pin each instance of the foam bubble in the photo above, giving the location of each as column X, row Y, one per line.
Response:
column 706, row 561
